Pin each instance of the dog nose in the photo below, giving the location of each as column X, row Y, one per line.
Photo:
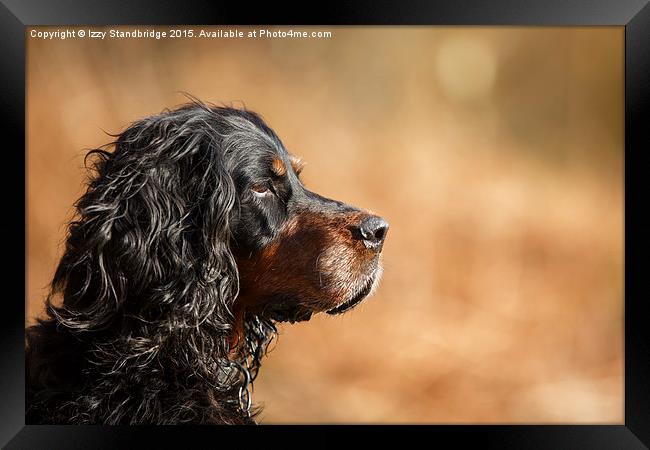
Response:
column 373, row 231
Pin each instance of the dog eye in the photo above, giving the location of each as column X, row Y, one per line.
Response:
column 261, row 190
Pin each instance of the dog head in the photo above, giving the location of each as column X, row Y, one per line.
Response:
column 297, row 253
column 199, row 215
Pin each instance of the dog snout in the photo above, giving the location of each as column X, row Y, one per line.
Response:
column 372, row 231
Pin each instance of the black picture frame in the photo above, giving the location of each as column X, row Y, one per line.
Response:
column 15, row 15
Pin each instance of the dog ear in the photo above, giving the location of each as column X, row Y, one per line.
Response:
column 151, row 242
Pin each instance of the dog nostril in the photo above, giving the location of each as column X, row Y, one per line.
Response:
column 373, row 229
column 380, row 233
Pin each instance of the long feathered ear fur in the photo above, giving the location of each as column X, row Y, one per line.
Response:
column 153, row 226
column 147, row 284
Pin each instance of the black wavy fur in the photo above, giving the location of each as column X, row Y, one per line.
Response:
column 139, row 317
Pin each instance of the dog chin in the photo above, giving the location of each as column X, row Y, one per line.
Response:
column 365, row 289
column 291, row 309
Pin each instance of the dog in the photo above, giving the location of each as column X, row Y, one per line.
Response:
column 194, row 239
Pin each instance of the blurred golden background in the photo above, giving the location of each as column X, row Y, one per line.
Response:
column 496, row 154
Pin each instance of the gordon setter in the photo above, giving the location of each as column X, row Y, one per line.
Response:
column 194, row 237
